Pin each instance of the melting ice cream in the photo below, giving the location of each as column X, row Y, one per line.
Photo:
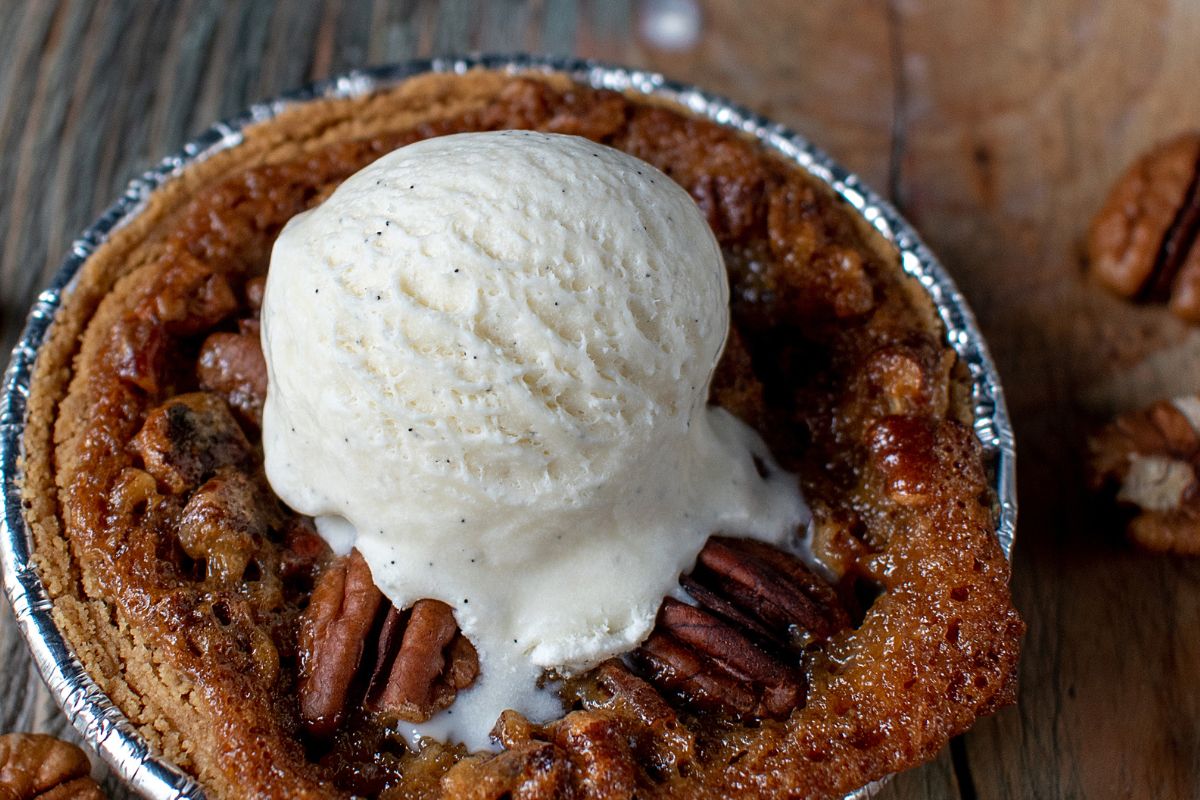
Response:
column 489, row 358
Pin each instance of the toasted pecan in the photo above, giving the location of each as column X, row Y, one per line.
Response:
column 34, row 766
column 184, row 440
column 738, row 652
column 1150, row 456
column 333, row 635
column 418, row 661
column 232, row 365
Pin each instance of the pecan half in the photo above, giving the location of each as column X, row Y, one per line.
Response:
column 738, row 651
column 625, row 739
column 254, row 290
column 303, row 556
column 333, row 636
column 34, row 766
column 793, row 604
column 635, row 698
column 184, row 440
column 529, row 771
column 224, row 523
column 910, row 377
column 902, row 456
column 420, row 665
column 782, row 686
column 1150, row 456
column 735, row 387
column 596, row 745
column 681, row 672
column 1142, row 242
column 418, row 661
column 194, row 298
column 232, row 365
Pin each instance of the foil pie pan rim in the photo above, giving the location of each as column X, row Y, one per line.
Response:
column 89, row 709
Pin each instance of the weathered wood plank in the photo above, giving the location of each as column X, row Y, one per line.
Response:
column 822, row 68
column 22, row 40
column 506, row 27
column 1007, row 157
column 996, row 126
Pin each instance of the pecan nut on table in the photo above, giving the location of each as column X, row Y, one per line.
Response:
column 34, row 766
column 1150, row 457
column 1142, row 243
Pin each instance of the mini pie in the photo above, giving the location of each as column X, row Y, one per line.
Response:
column 246, row 653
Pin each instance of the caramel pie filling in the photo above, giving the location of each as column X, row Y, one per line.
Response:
column 225, row 629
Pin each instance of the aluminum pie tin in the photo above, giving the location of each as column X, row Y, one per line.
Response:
column 92, row 712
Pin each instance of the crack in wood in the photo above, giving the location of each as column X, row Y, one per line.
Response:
column 898, row 141
column 962, row 769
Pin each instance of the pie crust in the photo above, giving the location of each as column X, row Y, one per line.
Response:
column 840, row 363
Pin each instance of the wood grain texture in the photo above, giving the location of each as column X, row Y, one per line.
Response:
column 995, row 125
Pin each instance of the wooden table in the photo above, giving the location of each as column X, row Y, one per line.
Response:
column 995, row 126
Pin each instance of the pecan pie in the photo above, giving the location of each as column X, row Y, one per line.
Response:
column 245, row 652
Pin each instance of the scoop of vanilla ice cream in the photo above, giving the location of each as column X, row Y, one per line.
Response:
column 489, row 358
